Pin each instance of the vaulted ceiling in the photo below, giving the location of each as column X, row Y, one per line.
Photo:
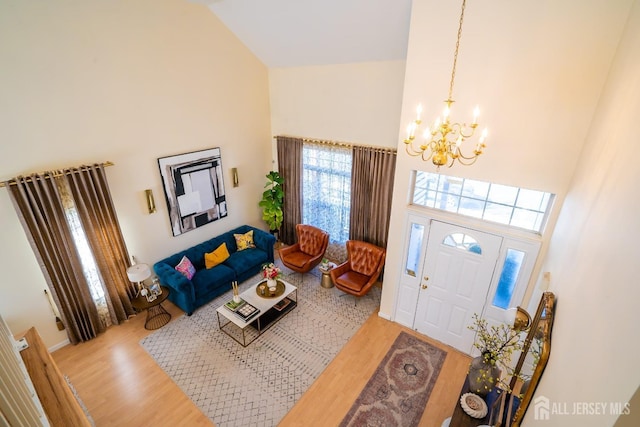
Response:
column 289, row 33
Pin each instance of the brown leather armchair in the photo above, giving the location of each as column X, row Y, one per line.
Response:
column 361, row 270
column 308, row 251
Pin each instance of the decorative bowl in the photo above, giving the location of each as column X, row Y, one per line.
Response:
column 473, row 405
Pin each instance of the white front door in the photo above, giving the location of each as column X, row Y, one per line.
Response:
column 458, row 269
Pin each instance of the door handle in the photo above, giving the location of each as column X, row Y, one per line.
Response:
column 424, row 286
column 426, row 278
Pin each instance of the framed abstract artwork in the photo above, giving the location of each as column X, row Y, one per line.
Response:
column 194, row 189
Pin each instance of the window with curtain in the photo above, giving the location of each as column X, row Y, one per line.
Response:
column 71, row 224
column 87, row 260
column 326, row 189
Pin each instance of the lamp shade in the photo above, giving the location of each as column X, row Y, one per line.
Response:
column 138, row 273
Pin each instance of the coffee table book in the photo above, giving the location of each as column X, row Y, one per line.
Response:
column 246, row 311
column 234, row 306
column 282, row 304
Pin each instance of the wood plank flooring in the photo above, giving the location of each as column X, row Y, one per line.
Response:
column 122, row 386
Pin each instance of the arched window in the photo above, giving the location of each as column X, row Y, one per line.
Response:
column 462, row 241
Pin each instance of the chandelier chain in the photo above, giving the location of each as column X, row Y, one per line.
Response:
column 455, row 55
column 442, row 141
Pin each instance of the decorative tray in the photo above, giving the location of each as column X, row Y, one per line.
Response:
column 473, row 405
column 267, row 294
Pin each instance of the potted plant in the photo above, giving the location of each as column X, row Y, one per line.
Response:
column 272, row 201
column 496, row 345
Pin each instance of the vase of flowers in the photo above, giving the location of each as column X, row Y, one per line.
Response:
column 496, row 345
column 271, row 272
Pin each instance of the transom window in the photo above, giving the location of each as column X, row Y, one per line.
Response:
column 503, row 204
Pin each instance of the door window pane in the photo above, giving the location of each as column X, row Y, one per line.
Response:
column 462, row 241
column 508, row 278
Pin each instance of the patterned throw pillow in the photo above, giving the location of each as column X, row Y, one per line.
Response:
column 216, row 257
column 185, row 267
column 244, row 241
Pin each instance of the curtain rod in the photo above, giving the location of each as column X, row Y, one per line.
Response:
column 337, row 143
column 55, row 174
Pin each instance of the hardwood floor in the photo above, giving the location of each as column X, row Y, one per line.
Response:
column 121, row 385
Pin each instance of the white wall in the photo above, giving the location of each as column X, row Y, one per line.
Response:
column 536, row 69
column 594, row 253
column 356, row 103
column 125, row 81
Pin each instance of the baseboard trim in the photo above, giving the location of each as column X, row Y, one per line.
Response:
column 384, row 315
column 59, row 345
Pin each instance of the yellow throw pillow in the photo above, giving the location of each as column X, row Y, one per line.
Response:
column 216, row 257
column 244, row 241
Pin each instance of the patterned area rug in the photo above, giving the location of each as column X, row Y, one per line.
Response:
column 259, row 384
column 397, row 393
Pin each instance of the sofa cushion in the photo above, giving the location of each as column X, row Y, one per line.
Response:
column 244, row 241
column 216, row 257
column 244, row 260
column 207, row 280
column 185, row 267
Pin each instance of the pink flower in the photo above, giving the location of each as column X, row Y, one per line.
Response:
column 270, row 271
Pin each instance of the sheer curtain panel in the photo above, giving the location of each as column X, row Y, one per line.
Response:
column 327, row 189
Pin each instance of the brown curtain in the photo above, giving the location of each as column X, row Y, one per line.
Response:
column 290, row 168
column 98, row 216
column 372, row 175
column 39, row 203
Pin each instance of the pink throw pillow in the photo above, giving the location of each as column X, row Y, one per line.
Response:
column 185, row 267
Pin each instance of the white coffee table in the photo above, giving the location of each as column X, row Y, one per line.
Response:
column 245, row 332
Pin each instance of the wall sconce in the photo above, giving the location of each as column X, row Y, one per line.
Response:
column 151, row 203
column 234, row 175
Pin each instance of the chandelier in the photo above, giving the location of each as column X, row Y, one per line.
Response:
column 442, row 141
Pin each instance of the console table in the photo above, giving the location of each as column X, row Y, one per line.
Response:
column 460, row 418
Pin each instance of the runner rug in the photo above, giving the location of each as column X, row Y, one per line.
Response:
column 397, row 393
column 259, row 384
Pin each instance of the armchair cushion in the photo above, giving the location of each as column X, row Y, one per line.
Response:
column 312, row 240
column 308, row 251
column 361, row 270
column 364, row 259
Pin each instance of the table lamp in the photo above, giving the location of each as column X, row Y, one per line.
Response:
column 138, row 273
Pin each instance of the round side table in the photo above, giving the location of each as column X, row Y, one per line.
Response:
column 157, row 316
column 326, row 281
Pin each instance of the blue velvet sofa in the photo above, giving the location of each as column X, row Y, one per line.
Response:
column 207, row 284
